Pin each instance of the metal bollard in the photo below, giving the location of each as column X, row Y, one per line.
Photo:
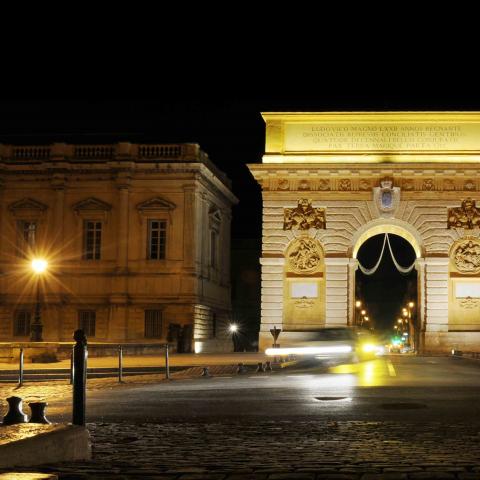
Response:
column 14, row 414
column 80, row 354
column 241, row 369
column 205, row 372
column 20, row 368
column 120, row 364
column 38, row 412
column 260, row 368
column 167, row 364
column 71, row 367
column 268, row 366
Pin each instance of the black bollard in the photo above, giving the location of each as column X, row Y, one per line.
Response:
column 260, row 368
column 241, row 368
column 80, row 355
column 14, row 414
column 205, row 372
column 268, row 366
column 38, row 412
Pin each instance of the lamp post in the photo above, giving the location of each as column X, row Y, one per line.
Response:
column 233, row 328
column 358, row 305
column 413, row 331
column 39, row 266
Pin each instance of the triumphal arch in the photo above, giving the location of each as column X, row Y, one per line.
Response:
column 330, row 181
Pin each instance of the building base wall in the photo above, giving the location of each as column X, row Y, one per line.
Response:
column 444, row 342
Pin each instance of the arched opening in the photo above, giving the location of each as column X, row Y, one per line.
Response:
column 386, row 287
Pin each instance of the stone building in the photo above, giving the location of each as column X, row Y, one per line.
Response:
column 137, row 238
column 331, row 181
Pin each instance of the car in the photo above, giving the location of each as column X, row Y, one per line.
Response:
column 326, row 345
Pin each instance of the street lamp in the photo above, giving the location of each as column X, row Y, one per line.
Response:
column 39, row 266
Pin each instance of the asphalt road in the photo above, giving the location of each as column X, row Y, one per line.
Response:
column 393, row 388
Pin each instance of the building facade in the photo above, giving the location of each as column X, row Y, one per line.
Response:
column 331, row 181
column 137, row 238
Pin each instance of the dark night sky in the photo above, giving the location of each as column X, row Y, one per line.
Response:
column 222, row 114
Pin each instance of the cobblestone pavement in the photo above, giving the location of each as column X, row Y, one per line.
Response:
column 279, row 450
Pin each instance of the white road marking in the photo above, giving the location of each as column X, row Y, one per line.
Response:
column 391, row 369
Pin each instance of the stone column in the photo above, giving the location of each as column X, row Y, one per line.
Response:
column 336, row 299
column 272, row 299
column 122, row 230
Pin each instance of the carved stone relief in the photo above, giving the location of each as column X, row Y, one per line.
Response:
column 345, row 184
column 469, row 302
column 283, row 184
column 466, row 255
column 407, row 184
column 386, row 197
column 304, row 216
column 304, row 256
column 448, row 184
column 469, row 185
column 467, row 216
column 428, row 184
column 324, row 185
column 303, row 185
column 364, row 185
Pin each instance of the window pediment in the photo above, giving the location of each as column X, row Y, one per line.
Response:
column 91, row 204
column 27, row 205
column 156, row 204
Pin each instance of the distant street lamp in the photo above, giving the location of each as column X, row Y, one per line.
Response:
column 39, row 267
column 358, row 305
column 233, row 328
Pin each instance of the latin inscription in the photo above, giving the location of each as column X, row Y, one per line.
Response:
column 381, row 137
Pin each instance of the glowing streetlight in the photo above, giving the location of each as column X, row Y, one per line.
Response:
column 363, row 312
column 233, row 328
column 358, row 303
column 411, row 304
column 399, row 320
column 39, row 266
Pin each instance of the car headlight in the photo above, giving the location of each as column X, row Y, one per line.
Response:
column 368, row 348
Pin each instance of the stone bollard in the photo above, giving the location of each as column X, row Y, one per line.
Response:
column 205, row 372
column 38, row 412
column 14, row 414
column 241, row 368
column 268, row 366
column 260, row 368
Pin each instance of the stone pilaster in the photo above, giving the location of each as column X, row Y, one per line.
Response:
column 336, row 300
column 436, row 294
column 272, row 298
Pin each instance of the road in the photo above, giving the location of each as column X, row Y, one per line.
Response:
column 397, row 387
column 400, row 417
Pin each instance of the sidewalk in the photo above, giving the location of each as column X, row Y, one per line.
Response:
column 176, row 359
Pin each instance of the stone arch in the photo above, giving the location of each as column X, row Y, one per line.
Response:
column 390, row 225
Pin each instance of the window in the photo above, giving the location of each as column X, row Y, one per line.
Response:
column 157, row 239
column 92, row 240
column 86, row 322
column 213, row 248
column 153, row 324
column 27, row 232
column 21, row 323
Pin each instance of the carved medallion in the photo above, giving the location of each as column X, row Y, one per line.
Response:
column 466, row 255
column 283, row 184
column 469, row 185
column 364, row 185
column 304, row 255
column 408, row 184
column 448, row 185
column 467, row 216
column 428, row 184
column 386, row 197
column 324, row 184
column 303, row 185
column 345, row 184
column 304, row 216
